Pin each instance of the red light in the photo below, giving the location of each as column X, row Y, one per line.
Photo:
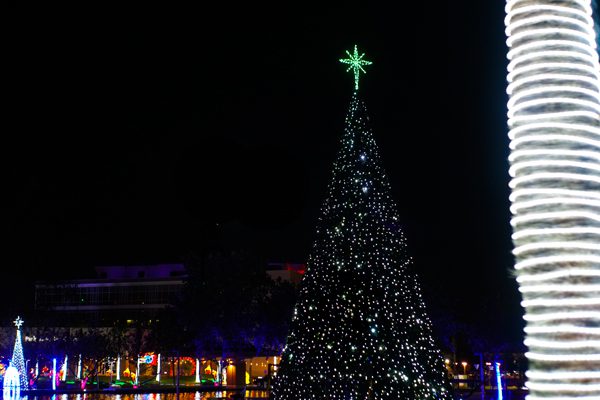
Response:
column 299, row 268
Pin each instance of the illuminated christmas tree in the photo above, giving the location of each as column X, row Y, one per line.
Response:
column 360, row 329
column 18, row 360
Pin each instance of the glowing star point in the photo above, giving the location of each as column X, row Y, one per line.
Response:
column 18, row 322
column 355, row 62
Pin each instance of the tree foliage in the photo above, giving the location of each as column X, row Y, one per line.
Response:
column 231, row 308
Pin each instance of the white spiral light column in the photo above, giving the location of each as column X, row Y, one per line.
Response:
column 554, row 122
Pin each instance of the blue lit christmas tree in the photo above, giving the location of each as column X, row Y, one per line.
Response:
column 360, row 328
column 18, row 360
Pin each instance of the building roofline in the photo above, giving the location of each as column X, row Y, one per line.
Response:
column 108, row 282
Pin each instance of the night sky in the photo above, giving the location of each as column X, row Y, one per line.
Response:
column 133, row 136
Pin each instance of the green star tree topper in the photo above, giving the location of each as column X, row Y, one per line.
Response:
column 356, row 64
column 360, row 328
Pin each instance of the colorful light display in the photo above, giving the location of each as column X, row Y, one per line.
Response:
column 554, row 121
column 360, row 328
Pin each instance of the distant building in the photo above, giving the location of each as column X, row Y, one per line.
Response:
column 124, row 294
column 125, row 304
column 118, row 293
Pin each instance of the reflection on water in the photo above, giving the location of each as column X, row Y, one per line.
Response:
column 148, row 396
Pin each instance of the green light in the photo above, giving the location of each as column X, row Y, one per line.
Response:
column 356, row 63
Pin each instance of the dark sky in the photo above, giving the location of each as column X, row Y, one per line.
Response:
column 130, row 133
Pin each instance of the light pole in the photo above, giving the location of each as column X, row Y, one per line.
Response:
column 137, row 371
column 464, row 364
column 498, row 380
column 54, row 374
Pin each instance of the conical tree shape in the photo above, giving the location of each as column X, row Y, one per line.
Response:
column 360, row 329
column 18, row 360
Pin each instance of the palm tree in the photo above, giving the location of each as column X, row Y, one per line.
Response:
column 554, row 122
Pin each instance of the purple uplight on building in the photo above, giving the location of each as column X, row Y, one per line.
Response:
column 158, row 271
column 122, row 293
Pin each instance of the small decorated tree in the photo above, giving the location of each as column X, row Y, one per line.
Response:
column 18, row 360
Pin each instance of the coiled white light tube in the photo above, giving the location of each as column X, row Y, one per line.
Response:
column 554, row 121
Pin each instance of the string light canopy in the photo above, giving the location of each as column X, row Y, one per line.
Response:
column 355, row 62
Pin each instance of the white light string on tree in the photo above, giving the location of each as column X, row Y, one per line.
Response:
column 360, row 328
column 18, row 360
